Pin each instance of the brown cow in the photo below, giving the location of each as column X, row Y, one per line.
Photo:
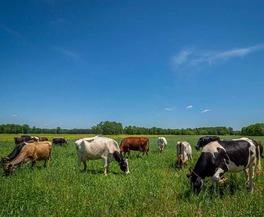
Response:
column 31, row 152
column 135, row 144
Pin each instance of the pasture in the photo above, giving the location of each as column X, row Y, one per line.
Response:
column 154, row 187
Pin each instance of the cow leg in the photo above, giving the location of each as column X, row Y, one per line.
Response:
column 45, row 163
column 49, row 158
column 216, row 177
column 251, row 176
column 161, row 148
column 106, row 165
column 247, row 176
column 190, row 156
column 84, row 166
column 33, row 163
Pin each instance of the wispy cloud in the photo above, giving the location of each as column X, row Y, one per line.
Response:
column 182, row 57
column 189, row 107
column 12, row 32
column 168, row 109
column 194, row 57
column 14, row 115
column 205, row 110
column 69, row 55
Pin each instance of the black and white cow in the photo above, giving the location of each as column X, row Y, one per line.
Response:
column 59, row 141
column 205, row 140
column 219, row 157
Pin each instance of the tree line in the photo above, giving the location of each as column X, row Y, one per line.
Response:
column 115, row 128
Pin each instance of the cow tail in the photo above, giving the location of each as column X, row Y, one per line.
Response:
column 259, row 161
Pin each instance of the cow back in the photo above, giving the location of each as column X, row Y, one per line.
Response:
column 134, row 143
column 95, row 147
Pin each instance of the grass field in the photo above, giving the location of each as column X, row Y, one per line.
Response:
column 154, row 187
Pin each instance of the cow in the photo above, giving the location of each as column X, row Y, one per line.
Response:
column 33, row 152
column 43, row 139
column 135, row 144
column 219, row 157
column 162, row 143
column 97, row 147
column 13, row 154
column 184, row 153
column 25, row 138
column 59, row 141
column 205, row 140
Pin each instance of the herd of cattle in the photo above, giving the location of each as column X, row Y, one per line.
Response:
column 217, row 156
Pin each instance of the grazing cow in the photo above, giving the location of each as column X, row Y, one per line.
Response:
column 13, row 154
column 219, row 157
column 97, row 147
column 59, row 141
column 30, row 152
column 184, row 152
column 43, row 139
column 205, row 140
column 135, row 144
column 162, row 143
column 25, row 138
column 18, row 140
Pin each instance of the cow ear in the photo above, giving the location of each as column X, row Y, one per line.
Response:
column 190, row 169
column 188, row 175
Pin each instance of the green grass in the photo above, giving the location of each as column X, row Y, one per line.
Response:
column 154, row 187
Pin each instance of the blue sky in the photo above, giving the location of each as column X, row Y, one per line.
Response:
column 168, row 64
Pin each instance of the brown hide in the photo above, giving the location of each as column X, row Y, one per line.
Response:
column 36, row 151
column 135, row 144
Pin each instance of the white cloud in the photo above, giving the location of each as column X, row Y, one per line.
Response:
column 182, row 57
column 189, row 107
column 206, row 110
column 168, row 109
column 14, row 115
column 195, row 57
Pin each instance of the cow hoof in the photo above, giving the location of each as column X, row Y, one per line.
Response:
column 223, row 180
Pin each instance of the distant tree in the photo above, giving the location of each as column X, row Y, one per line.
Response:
column 108, row 128
column 25, row 129
column 58, row 131
column 253, row 130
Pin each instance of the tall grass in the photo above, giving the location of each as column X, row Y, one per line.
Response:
column 155, row 187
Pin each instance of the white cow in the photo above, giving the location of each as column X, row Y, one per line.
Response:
column 162, row 143
column 184, row 152
column 97, row 147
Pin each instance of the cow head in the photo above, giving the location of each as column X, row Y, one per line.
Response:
column 9, row 168
column 196, row 181
column 123, row 162
column 3, row 161
column 203, row 141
